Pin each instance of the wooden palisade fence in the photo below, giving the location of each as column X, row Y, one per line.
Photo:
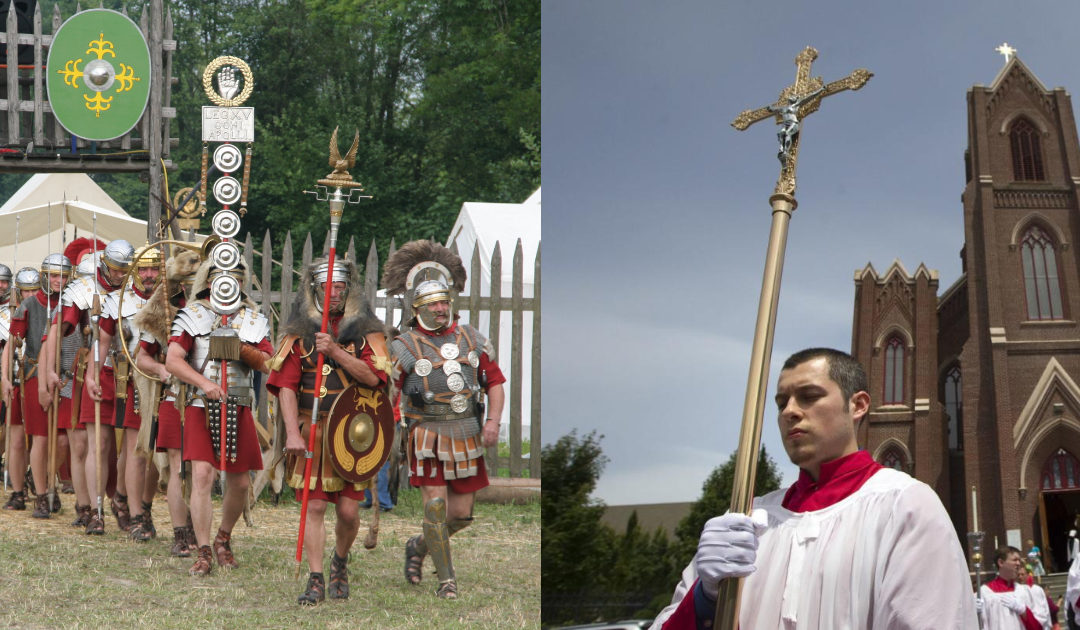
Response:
column 478, row 300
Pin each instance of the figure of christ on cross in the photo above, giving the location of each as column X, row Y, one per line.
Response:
column 796, row 102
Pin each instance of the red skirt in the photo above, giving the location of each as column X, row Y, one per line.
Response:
column 460, row 486
column 36, row 418
column 197, row 444
column 108, row 397
column 169, row 429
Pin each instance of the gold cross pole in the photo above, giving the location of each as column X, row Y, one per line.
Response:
column 795, row 103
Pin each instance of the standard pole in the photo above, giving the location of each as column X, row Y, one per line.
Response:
column 742, row 491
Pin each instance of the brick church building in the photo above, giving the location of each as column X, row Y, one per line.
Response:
column 978, row 383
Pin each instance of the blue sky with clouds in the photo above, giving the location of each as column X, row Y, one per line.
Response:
column 656, row 212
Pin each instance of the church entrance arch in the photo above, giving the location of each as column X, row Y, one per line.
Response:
column 1059, row 504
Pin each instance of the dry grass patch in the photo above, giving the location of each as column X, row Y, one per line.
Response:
column 54, row 576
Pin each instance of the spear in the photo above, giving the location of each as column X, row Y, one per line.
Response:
column 339, row 179
column 54, row 416
column 95, row 322
column 9, row 354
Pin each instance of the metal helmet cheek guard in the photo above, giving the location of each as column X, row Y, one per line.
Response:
column 429, row 292
column 146, row 257
column 320, row 273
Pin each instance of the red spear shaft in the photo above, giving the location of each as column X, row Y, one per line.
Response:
column 337, row 203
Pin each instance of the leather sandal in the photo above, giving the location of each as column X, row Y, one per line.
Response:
column 315, row 592
column 148, row 519
column 138, row 531
column 180, row 543
column 82, row 515
column 223, row 551
column 121, row 511
column 96, row 526
column 447, row 589
column 17, row 501
column 203, row 565
column 414, row 561
column 339, row 578
column 41, row 507
column 56, row 502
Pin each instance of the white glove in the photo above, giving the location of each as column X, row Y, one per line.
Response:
column 978, row 605
column 728, row 548
column 1013, row 603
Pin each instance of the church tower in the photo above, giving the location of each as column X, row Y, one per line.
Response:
column 987, row 393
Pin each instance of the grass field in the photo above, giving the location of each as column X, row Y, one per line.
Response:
column 54, row 576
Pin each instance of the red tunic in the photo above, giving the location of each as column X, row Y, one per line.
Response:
column 288, row 377
column 197, row 442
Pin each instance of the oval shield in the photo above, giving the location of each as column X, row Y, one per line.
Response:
column 98, row 74
column 359, row 433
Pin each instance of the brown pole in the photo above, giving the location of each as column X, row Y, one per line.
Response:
column 742, row 491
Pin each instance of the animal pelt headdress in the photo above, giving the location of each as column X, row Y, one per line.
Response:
column 396, row 279
column 357, row 320
column 156, row 316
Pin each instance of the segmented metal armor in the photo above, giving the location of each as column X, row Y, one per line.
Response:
column 442, row 391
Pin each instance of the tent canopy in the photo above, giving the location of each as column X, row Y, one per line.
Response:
column 56, row 208
column 481, row 225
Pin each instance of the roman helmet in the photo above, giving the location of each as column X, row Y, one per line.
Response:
column 117, row 256
column 28, row 279
column 145, row 257
column 54, row 263
column 425, row 272
column 319, row 273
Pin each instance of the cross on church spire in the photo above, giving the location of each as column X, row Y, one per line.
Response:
column 1007, row 50
column 796, row 102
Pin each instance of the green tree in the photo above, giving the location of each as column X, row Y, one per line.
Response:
column 575, row 546
column 715, row 500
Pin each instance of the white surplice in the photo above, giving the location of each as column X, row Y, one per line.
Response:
column 885, row 557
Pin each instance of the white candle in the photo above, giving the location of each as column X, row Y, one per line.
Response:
column 974, row 510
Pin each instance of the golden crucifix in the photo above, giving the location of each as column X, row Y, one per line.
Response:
column 796, row 102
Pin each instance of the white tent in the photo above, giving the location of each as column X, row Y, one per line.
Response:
column 51, row 209
column 481, row 226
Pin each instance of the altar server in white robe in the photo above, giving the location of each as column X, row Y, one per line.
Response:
column 850, row 545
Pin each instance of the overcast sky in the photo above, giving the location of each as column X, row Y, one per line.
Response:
column 656, row 213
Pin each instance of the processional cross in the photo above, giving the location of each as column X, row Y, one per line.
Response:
column 796, row 102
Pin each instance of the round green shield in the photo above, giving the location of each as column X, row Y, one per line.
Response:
column 98, row 74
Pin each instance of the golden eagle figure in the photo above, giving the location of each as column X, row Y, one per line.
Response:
column 340, row 177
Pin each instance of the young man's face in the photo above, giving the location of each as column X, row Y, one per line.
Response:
column 56, row 282
column 1009, row 568
column 817, row 424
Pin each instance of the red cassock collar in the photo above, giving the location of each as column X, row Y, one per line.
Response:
column 837, row 480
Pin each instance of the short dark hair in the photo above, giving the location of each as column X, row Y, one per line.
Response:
column 1003, row 553
column 843, row 368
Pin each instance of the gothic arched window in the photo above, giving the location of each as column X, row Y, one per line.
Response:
column 1061, row 471
column 892, row 458
column 954, row 409
column 1042, row 287
column 894, row 371
column 1026, row 152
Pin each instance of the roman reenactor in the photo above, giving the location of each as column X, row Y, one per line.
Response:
column 30, row 324
column 443, row 369
column 357, row 369
column 15, row 434
column 217, row 341
column 80, row 307
column 121, row 307
column 154, row 321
